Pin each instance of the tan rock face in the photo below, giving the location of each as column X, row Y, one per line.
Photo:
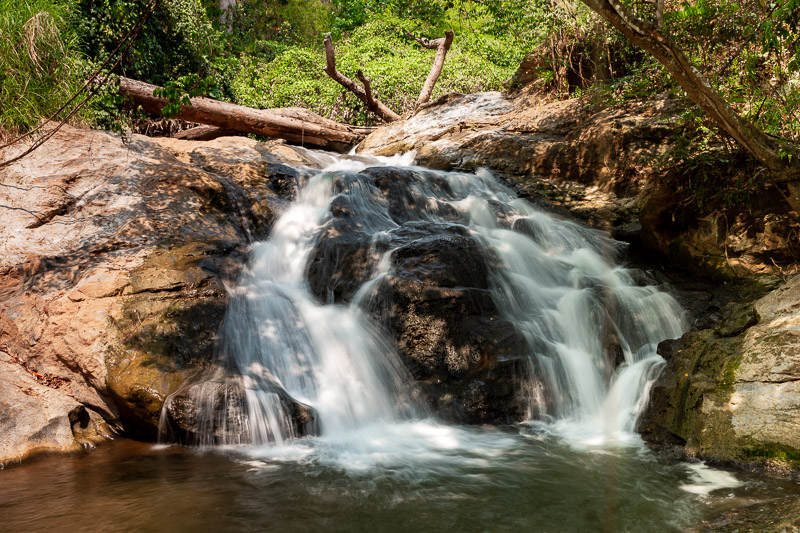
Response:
column 733, row 395
column 565, row 141
column 115, row 256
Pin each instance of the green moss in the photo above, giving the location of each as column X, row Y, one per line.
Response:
column 775, row 452
column 728, row 376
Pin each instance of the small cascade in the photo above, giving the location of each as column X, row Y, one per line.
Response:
column 297, row 359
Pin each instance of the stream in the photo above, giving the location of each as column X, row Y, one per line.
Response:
column 314, row 419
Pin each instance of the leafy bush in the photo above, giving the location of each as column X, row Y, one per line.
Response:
column 396, row 65
column 178, row 39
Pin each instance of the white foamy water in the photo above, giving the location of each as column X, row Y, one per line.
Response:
column 591, row 332
column 705, row 479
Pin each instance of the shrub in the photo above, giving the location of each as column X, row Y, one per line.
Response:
column 40, row 67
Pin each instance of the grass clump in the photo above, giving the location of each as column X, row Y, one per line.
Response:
column 40, row 66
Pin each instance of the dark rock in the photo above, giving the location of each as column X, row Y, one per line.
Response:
column 214, row 411
column 736, row 318
column 450, row 334
column 341, row 262
column 668, row 348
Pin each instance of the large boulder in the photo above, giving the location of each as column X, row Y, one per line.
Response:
column 437, row 305
column 35, row 417
column 433, row 297
column 115, row 256
column 732, row 393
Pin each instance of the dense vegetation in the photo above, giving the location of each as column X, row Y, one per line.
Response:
column 266, row 53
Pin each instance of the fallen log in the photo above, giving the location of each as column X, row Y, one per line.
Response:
column 203, row 133
column 293, row 124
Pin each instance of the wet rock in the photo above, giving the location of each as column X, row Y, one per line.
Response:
column 436, row 304
column 224, row 419
column 732, row 394
column 115, row 257
column 433, row 298
column 342, row 261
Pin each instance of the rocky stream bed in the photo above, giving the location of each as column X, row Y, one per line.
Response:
column 119, row 254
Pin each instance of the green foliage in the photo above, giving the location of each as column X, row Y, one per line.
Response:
column 397, row 66
column 750, row 51
column 40, row 67
column 351, row 14
column 268, row 53
column 178, row 39
column 709, row 172
column 264, row 27
column 179, row 91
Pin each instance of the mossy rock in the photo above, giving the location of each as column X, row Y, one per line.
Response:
column 731, row 394
column 165, row 332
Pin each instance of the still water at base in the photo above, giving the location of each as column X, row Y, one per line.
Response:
column 418, row 476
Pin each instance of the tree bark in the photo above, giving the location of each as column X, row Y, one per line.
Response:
column 293, row 124
column 441, row 45
column 653, row 39
column 203, row 133
column 226, row 8
column 365, row 94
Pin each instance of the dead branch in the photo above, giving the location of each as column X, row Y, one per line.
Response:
column 203, row 133
column 441, row 45
column 365, row 94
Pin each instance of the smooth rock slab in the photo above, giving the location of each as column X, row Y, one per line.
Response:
column 115, row 257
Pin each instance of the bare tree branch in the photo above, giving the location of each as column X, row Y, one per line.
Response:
column 660, row 14
column 365, row 95
column 366, row 82
column 441, row 45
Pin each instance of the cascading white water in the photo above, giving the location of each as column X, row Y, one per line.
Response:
column 591, row 333
column 578, row 311
column 280, row 339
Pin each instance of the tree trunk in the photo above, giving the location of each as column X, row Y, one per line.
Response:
column 441, row 45
column 293, row 124
column 226, row 8
column 653, row 39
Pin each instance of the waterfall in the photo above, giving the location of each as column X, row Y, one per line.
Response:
column 590, row 333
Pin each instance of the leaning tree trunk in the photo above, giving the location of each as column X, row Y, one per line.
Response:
column 293, row 124
column 652, row 38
